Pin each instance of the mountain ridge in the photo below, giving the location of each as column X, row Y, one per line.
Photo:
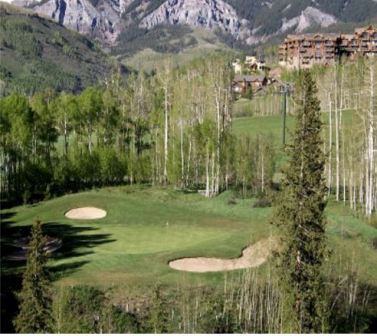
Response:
column 249, row 22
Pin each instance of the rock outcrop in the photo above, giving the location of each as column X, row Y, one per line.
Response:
column 310, row 16
column 209, row 14
column 101, row 20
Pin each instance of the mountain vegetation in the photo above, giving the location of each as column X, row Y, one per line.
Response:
column 35, row 297
column 37, row 54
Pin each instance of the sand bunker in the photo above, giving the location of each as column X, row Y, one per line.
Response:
column 85, row 213
column 252, row 256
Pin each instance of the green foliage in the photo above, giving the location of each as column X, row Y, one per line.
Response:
column 158, row 316
column 115, row 320
column 35, row 296
column 162, row 39
column 85, row 309
column 79, row 310
column 300, row 216
column 39, row 54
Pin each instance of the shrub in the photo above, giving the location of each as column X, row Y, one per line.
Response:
column 262, row 203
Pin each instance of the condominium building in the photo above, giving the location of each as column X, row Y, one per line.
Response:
column 305, row 50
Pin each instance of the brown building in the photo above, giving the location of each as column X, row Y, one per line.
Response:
column 241, row 83
column 305, row 50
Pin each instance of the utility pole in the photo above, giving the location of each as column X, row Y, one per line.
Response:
column 284, row 92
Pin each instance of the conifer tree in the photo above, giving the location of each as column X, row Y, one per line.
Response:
column 35, row 298
column 300, row 216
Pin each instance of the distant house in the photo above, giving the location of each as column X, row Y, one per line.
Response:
column 255, row 64
column 241, row 83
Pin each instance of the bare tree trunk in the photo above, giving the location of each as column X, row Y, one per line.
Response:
column 65, row 135
column 182, row 157
column 329, row 177
column 370, row 149
column 337, row 177
column 218, row 113
column 207, row 172
column 166, row 133
column 262, row 171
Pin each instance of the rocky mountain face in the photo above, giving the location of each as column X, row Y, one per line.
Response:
column 208, row 14
column 99, row 19
column 248, row 21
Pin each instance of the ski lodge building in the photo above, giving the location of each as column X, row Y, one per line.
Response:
column 305, row 50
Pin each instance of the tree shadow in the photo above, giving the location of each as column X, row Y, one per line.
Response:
column 77, row 241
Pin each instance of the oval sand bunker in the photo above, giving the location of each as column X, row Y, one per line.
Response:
column 86, row 213
column 252, row 256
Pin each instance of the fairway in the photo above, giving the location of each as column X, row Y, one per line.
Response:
column 146, row 227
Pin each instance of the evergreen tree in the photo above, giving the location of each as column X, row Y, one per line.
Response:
column 35, row 296
column 300, row 215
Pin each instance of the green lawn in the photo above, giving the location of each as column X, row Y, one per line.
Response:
column 147, row 227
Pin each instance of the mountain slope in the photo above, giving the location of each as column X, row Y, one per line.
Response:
column 246, row 21
column 37, row 53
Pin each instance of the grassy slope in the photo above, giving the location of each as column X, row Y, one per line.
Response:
column 206, row 43
column 37, row 53
column 145, row 228
column 272, row 126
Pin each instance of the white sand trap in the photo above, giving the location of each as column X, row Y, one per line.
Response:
column 252, row 256
column 86, row 213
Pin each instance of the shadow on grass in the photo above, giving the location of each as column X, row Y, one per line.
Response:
column 77, row 241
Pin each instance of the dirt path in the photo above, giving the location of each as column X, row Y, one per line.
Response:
column 86, row 213
column 252, row 256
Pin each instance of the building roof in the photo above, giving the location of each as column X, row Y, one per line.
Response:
column 313, row 36
column 248, row 78
column 363, row 29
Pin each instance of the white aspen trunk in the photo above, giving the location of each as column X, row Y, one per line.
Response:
column 343, row 155
column 188, row 161
column 337, row 142
column 217, row 178
column 213, row 176
column 262, row 172
column 329, row 177
column 182, row 157
column 350, row 187
column 166, row 134
column 370, row 150
column 207, row 172
column 65, row 135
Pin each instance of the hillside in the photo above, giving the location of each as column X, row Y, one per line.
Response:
column 37, row 53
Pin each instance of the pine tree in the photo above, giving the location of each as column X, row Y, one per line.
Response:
column 300, row 216
column 35, row 298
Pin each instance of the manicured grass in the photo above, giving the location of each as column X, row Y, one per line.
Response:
column 271, row 127
column 147, row 227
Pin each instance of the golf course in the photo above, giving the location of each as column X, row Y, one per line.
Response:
column 146, row 227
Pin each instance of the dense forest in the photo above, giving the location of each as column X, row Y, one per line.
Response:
column 175, row 127
column 170, row 128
